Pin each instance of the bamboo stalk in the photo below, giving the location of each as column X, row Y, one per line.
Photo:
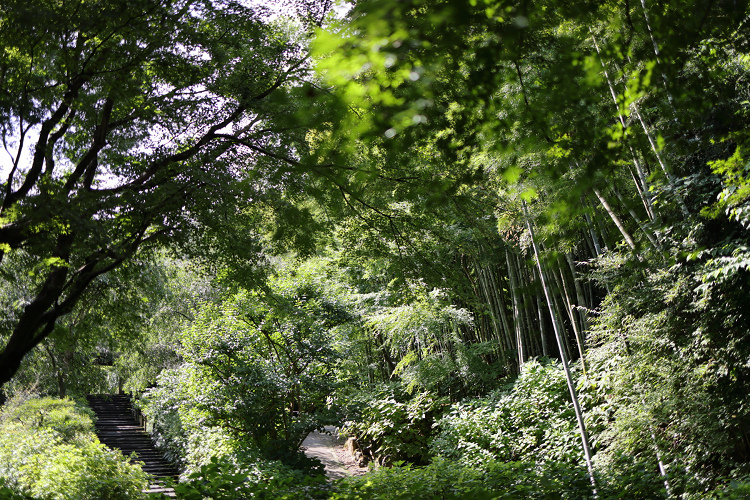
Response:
column 516, row 309
column 561, row 322
column 651, row 237
column 503, row 329
column 487, row 296
column 531, row 341
column 608, row 243
column 571, row 314
column 497, row 293
column 542, row 325
column 564, row 359
column 646, row 130
column 660, row 159
column 641, row 187
column 644, row 196
column 615, row 219
column 527, row 337
column 592, row 232
column 658, row 61
column 579, row 291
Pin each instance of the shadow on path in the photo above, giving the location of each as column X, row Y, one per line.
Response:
column 327, row 448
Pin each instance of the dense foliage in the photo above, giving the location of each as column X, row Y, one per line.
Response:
column 530, row 420
column 255, row 375
column 502, row 244
column 48, row 450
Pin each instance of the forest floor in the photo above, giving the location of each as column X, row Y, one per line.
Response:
column 329, row 449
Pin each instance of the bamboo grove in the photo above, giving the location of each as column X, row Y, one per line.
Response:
column 599, row 116
column 581, row 171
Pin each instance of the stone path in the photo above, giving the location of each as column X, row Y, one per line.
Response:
column 117, row 428
column 329, row 449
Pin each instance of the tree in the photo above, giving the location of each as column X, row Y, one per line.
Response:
column 121, row 331
column 258, row 365
column 126, row 126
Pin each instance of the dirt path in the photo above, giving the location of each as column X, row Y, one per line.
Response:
column 329, row 449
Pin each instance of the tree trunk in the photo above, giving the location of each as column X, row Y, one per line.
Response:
column 542, row 325
column 608, row 243
column 532, row 345
column 658, row 61
column 616, row 220
column 592, row 232
column 642, row 188
column 644, row 230
column 494, row 300
column 563, row 357
column 581, row 298
column 571, row 314
column 518, row 318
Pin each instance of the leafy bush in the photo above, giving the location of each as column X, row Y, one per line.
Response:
column 447, row 480
column 63, row 416
column 48, row 449
column 733, row 490
column 669, row 354
column 87, row 472
column 391, row 427
column 10, row 494
column 221, row 479
column 257, row 370
column 531, row 419
column 163, row 407
column 191, row 437
column 443, row 479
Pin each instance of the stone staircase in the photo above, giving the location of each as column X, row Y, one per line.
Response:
column 117, row 427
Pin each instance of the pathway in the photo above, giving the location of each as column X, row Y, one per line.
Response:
column 329, row 449
column 117, row 427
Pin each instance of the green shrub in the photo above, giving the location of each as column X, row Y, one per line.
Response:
column 447, row 480
column 392, row 427
column 257, row 370
column 90, row 471
column 168, row 413
column 67, row 418
column 733, row 490
column 221, row 479
column 531, row 420
column 187, row 435
column 9, row 494
column 669, row 352
column 48, row 450
column 443, row 479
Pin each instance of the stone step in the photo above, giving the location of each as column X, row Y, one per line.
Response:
column 117, row 428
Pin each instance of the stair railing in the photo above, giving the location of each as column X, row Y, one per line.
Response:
column 138, row 415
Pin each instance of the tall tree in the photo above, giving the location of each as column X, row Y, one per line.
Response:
column 124, row 125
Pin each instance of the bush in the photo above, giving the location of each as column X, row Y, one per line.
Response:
column 48, row 449
column 187, row 434
column 9, row 494
column 669, row 351
column 390, row 427
column 447, row 480
column 221, row 479
column 443, row 479
column 63, row 416
column 733, row 490
column 530, row 420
